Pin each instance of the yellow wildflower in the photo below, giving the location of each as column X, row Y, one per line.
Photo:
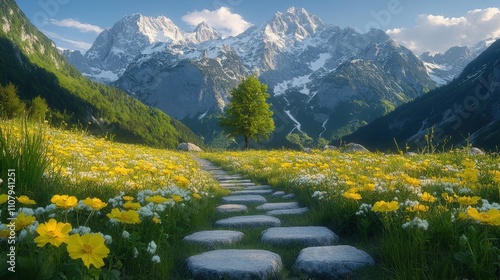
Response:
column 23, row 199
column 382, row 206
column 157, row 199
column 132, row 205
column 196, row 195
column 3, row 198
column 64, row 201
column 128, row 217
column 88, row 247
column 127, row 198
column 95, row 203
column 52, row 232
column 352, row 195
column 467, row 200
column 492, row 217
column 23, row 221
column 177, row 198
column 418, row 208
column 427, row 197
column 181, row 181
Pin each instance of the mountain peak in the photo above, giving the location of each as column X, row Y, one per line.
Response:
column 204, row 32
column 297, row 22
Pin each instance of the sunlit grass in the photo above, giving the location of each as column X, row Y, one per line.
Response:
column 411, row 213
column 141, row 200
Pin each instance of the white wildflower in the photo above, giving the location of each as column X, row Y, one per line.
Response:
column 152, row 247
column 418, row 223
column 126, row 234
column 81, row 230
column 156, row 259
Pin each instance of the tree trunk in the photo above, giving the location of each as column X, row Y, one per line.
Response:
column 246, row 142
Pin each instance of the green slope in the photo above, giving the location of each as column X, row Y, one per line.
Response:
column 31, row 61
column 467, row 109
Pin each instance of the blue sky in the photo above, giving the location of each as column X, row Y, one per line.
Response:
column 419, row 24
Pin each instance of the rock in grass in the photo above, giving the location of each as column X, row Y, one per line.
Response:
column 332, row 262
column 231, row 208
column 282, row 212
column 212, row 238
column 308, row 236
column 249, row 221
column 235, row 265
column 189, row 147
column 278, row 206
column 244, row 199
column 353, row 148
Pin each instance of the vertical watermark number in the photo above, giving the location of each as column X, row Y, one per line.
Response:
column 11, row 226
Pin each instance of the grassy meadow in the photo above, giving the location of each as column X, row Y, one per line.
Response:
column 91, row 208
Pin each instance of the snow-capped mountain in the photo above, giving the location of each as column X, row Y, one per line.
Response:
column 116, row 48
column 324, row 80
column 443, row 68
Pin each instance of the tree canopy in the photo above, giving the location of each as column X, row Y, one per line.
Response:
column 248, row 114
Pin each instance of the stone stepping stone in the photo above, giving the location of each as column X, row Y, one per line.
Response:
column 261, row 192
column 212, row 238
column 278, row 206
column 298, row 211
column 249, row 221
column 231, row 208
column 218, row 172
column 228, row 177
column 236, row 188
column 244, row 199
column 232, row 181
column 332, row 262
column 259, row 187
column 289, row 196
column 235, row 265
column 308, row 236
column 236, row 184
column 279, row 194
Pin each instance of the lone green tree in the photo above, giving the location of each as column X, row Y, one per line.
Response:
column 10, row 104
column 248, row 113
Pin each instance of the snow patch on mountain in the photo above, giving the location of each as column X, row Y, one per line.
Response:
column 298, row 83
column 320, row 62
column 297, row 123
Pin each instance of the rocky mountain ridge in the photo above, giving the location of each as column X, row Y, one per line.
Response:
column 324, row 80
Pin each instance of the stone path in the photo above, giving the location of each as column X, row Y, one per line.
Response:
column 321, row 255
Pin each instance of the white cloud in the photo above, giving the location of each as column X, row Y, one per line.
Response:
column 78, row 45
column 223, row 20
column 437, row 33
column 72, row 23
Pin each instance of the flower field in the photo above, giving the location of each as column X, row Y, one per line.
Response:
column 99, row 209
column 432, row 216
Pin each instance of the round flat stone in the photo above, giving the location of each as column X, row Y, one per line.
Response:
column 295, row 211
column 258, row 192
column 232, row 181
column 223, row 184
column 244, row 199
column 213, row 238
column 278, row 206
column 309, row 236
column 231, row 208
column 332, row 262
column 249, row 221
column 289, row 196
column 228, row 177
column 279, row 194
column 259, row 187
column 235, row 264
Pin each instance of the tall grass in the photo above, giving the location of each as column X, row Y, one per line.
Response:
column 22, row 148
